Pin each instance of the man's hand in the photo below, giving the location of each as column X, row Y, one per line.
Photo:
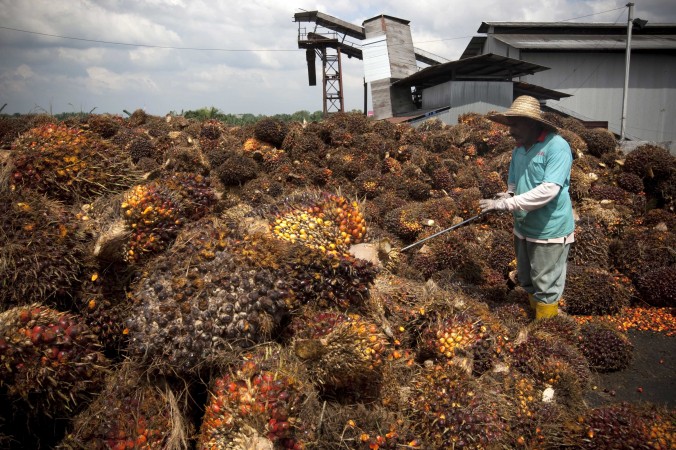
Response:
column 487, row 205
column 503, row 195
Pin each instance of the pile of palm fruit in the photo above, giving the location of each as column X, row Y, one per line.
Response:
column 175, row 284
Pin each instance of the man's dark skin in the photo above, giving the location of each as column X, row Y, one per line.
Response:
column 524, row 131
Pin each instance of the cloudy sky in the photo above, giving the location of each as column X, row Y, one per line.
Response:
column 237, row 56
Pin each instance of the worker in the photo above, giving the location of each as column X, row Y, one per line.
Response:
column 537, row 195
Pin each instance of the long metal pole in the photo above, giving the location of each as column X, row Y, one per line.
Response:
column 464, row 222
column 625, row 93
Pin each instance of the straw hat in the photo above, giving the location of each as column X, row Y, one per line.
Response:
column 524, row 106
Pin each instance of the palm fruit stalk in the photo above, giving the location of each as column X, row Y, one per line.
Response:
column 39, row 251
column 131, row 413
column 49, row 359
column 69, row 164
column 340, row 350
column 212, row 293
column 259, row 401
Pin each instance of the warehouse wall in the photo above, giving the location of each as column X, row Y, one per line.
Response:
column 596, row 82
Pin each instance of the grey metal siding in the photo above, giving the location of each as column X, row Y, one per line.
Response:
column 459, row 93
column 596, row 82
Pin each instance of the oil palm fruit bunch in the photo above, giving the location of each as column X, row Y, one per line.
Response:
column 69, row 164
column 454, row 334
column 550, row 361
column 211, row 293
column 658, row 286
column 642, row 250
column 271, row 130
column 39, row 256
column 156, row 211
column 324, row 221
column 103, row 304
column 49, row 359
column 593, row 291
column 259, row 400
column 561, row 326
column 591, row 246
column 366, row 427
column 340, row 350
column 634, row 426
column 605, row 348
column 450, row 410
column 130, row 413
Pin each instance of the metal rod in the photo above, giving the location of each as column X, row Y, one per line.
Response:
column 626, row 71
column 442, row 232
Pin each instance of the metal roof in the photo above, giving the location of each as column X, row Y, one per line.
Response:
column 587, row 27
column 539, row 92
column 330, row 22
column 484, row 67
column 586, row 42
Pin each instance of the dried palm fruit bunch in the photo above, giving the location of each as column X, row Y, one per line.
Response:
column 155, row 212
column 39, row 249
column 533, row 420
column 210, row 293
column 11, row 128
column 257, row 404
column 105, row 125
column 591, row 246
column 615, row 219
column 594, row 291
column 132, row 412
column 632, row 425
column 49, row 359
column 69, row 164
column 599, row 141
column 562, row 326
column 658, row 286
column 450, row 409
column 237, row 169
column 103, row 304
column 363, row 427
column 271, row 130
column 641, row 251
column 606, row 348
column 551, row 361
column 323, row 221
column 340, row 350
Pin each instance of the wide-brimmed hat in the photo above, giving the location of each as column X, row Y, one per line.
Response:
column 524, row 106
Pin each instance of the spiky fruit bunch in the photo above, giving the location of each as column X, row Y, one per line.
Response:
column 618, row 195
column 263, row 396
column 531, row 421
column 406, row 222
column 591, row 246
column 593, row 291
column 156, row 211
column 272, row 131
column 104, row 125
column 650, row 162
column 326, row 222
column 549, row 360
column 139, row 148
column 211, row 130
column 658, row 286
column 212, row 293
column 368, row 184
column 453, row 334
column 577, row 145
column 634, row 426
column 655, row 217
column 49, row 359
column 606, row 348
column 599, row 141
column 39, row 257
column 581, row 180
column 237, row 169
column 69, row 164
column 561, row 326
column 641, row 251
column 367, row 427
column 450, row 410
column 11, row 128
column 630, row 182
column 130, row 413
column 340, row 350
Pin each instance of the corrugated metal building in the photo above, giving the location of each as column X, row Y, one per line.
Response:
column 587, row 61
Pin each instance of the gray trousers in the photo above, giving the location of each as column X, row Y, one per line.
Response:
column 541, row 268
